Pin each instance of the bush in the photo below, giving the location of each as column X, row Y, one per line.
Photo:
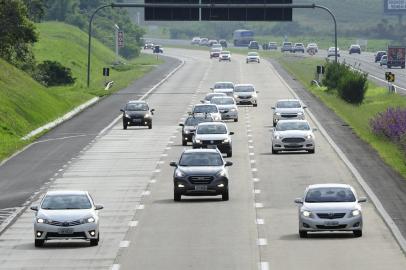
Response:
column 391, row 124
column 52, row 73
column 333, row 74
column 353, row 86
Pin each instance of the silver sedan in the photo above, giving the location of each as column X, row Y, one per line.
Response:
column 293, row 135
column 330, row 207
column 66, row 215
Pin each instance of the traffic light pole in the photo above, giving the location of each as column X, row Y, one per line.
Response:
column 200, row 6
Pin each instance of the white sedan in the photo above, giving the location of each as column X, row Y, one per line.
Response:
column 293, row 135
column 253, row 57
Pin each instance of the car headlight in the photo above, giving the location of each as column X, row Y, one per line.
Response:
column 355, row 213
column 233, row 110
column 127, row 116
column 309, row 136
column 221, row 173
column 41, row 220
column 90, row 220
column 306, row 213
column 147, row 115
column 226, row 140
column 179, row 173
column 278, row 114
column 278, row 137
column 299, row 113
column 186, row 131
column 198, row 141
column 235, row 96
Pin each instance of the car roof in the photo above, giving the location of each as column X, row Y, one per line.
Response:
column 223, row 82
column 252, row 53
column 225, row 52
column 137, row 101
column 216, row 94
column 329, row 185
column 66, row 192
column 212, row 123
column 288, row 99
column 205, row 104
column 201, row 150
column 222, row 97
column 244, row 84
column 293, row 120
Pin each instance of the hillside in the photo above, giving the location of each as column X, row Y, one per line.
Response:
column 26, row 104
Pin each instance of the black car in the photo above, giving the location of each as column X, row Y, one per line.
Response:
column 355, row 49
column 137, row 113
column 189, row 127
column 253, row 45
column 379, row 55
column 200, row 172
column 223, row 43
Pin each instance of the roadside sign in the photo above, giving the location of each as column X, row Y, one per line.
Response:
column 106, row 72
column 390, row 77
column 120, row 36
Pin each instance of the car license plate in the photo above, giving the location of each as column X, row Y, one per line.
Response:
column 331, row 223
column 201, row 188
column 65, row 231
column 137, row 120
column 212, row 146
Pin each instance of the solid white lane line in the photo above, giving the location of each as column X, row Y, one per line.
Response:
column 260, row 221
column 263, row 266
column 133, row 223
column 124, row 244
column 262, row 242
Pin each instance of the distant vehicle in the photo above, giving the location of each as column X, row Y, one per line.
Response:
column 272, row 46
column 224, row 87
column 200, row 172
column 148, row 45
column 214, row 135
column 195, row 41
column 209, row 96
column 189, row 127
column 66, row 215
column 204, row 42
column 158, row 49
column 212, row 42
column 215, row 52
column 355, row 48
column 217, row 46
column 245, row 94
column 299, row 47
column 378, row 55
column 242, row 37
column 225, row 56
column 330, row 207
column 293, row 135
column 396, row 56
column 384, row 60
column 206, row 109
column 227, row 106
column 288, row 109
column 287, row 47
column 137, row 113
column 331, row 52
column 253, row 57
column 312, row 47
column 253, row 45
column 223, row 43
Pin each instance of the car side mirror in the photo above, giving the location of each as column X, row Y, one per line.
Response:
column 98, row 207
column 228, row 163
column 272, row 129
column 181, row 124
column 34, row 208
column 121, row 110
column 189, row 113
column 173, row 164
column 299, row 200
column 257, row 92
column 273, row 108
column 362, row 199
column 231, row 133
column 152, row 111
column 211, row 88
column 304, row 107
column 202, row 101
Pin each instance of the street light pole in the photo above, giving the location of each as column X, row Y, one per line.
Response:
column 116, row 33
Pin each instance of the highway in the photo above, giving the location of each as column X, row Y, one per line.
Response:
column 143, row 228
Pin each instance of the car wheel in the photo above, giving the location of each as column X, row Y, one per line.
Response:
column 247, row 62
column 150, row 126
column 357, row 233
column 258, row 62
column 225, row 196
column 176, row 196
column 302, row 234
column 236, row 120
column 124, row 126
column 184, row 143
column 274, row 151
column 255, row 104
column 39, row 242
column 230, row 154
column 312, row 151
column 94, row 242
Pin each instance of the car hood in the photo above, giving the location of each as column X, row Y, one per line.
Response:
column 198, row 170
column 329, row 207
column 293, row 133
column 65, row 215
column 223, row 90
column 227, row 107
column 191, row 128
column 136, row 113
column 244, row 94
column 213, row 137
column 288, row 110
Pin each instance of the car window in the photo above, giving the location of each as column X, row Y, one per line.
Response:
column 292, row 125
column 201, row 159
column 60, row 202
column 222, row 101
column 325, row 195
column 223, row 86
column 136, row 107
column 211, row 129
column 252, row 54
column 244, row 88
column 210, row 96
column 288, row 104
column 205, row 109
column 194, row 121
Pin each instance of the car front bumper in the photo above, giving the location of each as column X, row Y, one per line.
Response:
column 137, row 121
column 279, row 145
column 225, row 58
column 82, row 231
column 252, row 59
column 223, row 147
column 341, row 224
column 241, row 100
column 216, row 187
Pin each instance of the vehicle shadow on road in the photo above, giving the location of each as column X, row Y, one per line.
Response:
column 53, row 245
column 188, row 200
column 319, row 236
column 283, row 153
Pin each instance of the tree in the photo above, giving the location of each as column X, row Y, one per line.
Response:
column 36, row 9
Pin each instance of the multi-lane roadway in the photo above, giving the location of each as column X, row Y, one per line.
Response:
column 143, row 228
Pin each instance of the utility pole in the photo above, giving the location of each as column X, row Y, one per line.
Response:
column 116, row 35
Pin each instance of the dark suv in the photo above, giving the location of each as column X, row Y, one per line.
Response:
column 379, row 55
column 189, row 127
column 137, row 113
column 200, row 172
column 223, row 43
column 253, row 45
column 355, row 49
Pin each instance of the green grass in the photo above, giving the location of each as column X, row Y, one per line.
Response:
column 26, row 105
column 357, row 117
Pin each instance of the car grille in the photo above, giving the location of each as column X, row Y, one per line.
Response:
column 290, row 115
column 75, row 234
column 212, row 142
column 201, row 180
column 323, row 227
column 244, row 97
column 293, row 140
column 293, row 146
column 65, row 224
column 224, row 111
column 330, row 215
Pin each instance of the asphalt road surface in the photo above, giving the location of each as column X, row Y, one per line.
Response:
column 143, row 228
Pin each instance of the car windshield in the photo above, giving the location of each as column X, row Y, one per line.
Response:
column 194, row 121
column 211, row 129
column 225, row 52
column 326, row 195
column 222, row 101
column 252, row 54
column 292, row 125
column 216, row 50
column 288, row 104
column 136, row 107
column 210, row 96
column 223, row 86
column 287, row 44
column 205, row 109
column 201, row 159
column 244, row 88
column 62, row 202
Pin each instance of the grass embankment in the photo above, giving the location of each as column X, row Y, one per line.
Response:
column 357, row 117
column 26, row 105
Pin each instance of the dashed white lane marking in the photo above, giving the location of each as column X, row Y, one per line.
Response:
column 124, row 244
column 253, row 161
column 257, row 191
column 161, row 162
column 251, row 147
column 250, row 141
column 259, row 205
column 263, row 266
column 249, row 135
column 140, row 207
column 133, row 223
column 168, row 148
column 56, row 174
column 157, row 171
column 255, row 179
column 60, row 170
column 262, row 242
column 115, row 267
column 171, row 142
column 146, row 193
column 164, row 155
column 260, row 221
column 252, row 154
column 153, row 181
column 254, row 169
